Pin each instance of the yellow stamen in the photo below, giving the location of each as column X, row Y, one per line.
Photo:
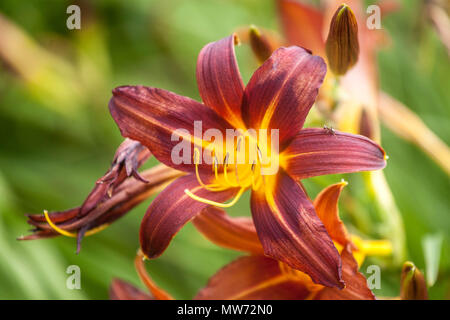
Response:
column 210, row 187
column 370, row 248
column 72, row 234
column 243, row 179
column 375, row 247
column 214, row 203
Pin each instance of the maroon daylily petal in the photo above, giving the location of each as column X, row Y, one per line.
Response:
column 281, row 92
column 355, row 283
column 219, row 81
column 302, row 25
column 151, row 116
column 121, row 290
column 315, row 152
column 171, row 210
column 236, row 233
column 253, row 278
column 326, row 205
column 291, row 232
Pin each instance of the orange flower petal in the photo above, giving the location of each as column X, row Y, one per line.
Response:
column 326, row 205
column 156, row 291
column 253, row 278
column 302, row 25
column 235, row 233
column 355, row 283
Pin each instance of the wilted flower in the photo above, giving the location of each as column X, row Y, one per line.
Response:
column 128, row 158
column 112, row 197
column 278, row 97
column 260, row 277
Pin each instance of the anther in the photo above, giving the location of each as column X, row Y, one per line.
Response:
column 238, row 146
column 225, row 160
column 216, row 166
column 259, row 153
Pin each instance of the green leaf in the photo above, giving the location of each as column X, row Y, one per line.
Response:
column 432, row 245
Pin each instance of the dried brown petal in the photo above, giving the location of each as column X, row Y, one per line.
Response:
column 127, row 195
column 128, row 158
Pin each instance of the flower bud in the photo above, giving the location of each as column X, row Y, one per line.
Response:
column 413, row 286
column 260, row 44
column 342, row 46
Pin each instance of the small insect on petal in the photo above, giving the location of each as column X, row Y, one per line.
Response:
column 413, row 286
column 330, row 130
column 342, row 46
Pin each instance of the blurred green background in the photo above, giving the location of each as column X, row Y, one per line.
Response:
column 57, row 137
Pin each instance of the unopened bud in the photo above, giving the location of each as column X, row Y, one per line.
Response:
column 366, row 125
column 342, row 44
column 260, row 44
column 413, row 286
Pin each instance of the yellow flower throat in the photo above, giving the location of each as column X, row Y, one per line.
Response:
column 243, row 169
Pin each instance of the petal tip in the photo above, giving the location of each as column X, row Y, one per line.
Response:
column 236, row 39
column 342, row 46
column 343, row 183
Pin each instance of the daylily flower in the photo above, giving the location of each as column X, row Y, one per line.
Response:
column 278, row 96
column 259, row 277
column 112, row 196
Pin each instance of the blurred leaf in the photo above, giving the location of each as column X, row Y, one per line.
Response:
column 432, row 247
